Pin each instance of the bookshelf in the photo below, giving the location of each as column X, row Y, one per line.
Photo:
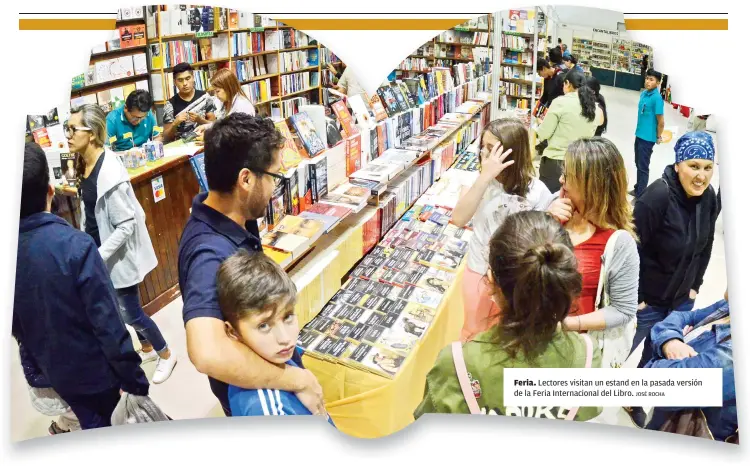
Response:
column 117, row 67
column 265, row 41
column 521, row 40
column 453, row 41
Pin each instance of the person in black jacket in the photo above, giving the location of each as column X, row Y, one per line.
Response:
column 65, row 312
column 675, row 219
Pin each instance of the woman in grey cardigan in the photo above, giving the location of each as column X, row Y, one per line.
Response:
column 593, row 205
column 111, row 214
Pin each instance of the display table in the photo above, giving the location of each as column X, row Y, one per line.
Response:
column 164, row 219
column 369, row 406
column 621, row 79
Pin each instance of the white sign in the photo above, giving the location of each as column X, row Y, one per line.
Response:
column 157, row 185
column 613, row 387
column 604, row 31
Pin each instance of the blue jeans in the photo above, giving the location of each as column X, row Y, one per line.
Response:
column 94, row 411
column 646, row 319
column 643, row 151
column 132, row 313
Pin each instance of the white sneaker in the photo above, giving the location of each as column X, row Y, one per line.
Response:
column 148, row 357
column 164, row 368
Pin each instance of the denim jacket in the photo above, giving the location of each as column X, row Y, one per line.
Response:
column 714, row 348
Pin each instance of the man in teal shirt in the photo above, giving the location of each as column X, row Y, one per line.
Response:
column 649, row 128
column 135, row 119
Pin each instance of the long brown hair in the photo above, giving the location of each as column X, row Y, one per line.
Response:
column 228, row 82
column 596, row 168
column 512, row 134
column 535, row 279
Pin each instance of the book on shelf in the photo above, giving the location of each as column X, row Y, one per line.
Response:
column 353, row 154
column 330, row 215
column 378, row 107
column 277, row 206
column 336, row 163
column 291, row 191
column 348, row 196
column 318, row 176
column 362, row 114
column 290, row 156
column 286, row 242
column 376, row 188
column 345, row 118
column 307, row 134
column 310, row 229
column 280, row 257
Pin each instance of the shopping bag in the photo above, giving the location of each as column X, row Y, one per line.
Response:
column 137, row 409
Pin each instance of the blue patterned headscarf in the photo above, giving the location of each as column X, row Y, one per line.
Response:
column 694, row 145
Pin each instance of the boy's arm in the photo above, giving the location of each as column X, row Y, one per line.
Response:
column 215, row 354
column 100, row 304
column 671, row 328
column 659, row 111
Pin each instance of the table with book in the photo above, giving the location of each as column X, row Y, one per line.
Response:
column 374, row 340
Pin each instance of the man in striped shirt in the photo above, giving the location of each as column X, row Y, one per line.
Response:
column 257, row 301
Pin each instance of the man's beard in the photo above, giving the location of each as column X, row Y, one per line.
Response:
column 256, row 207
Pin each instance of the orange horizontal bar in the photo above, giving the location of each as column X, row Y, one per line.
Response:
column 677, row 24
column 67, row 24
column 372, row 24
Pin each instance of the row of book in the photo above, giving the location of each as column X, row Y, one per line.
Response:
column 326, row 56
column 293, row 61
column 111, row 70
column 187, row 51
column 515, row 42
column 416, row 64
column 125, row 37
column 296, row 82
column 258, row 91
column 288, row 107
column 245, row 43
column 454, row 51
column 518, row 58
column 392, row 297
column 514, row 72
column 462, row 37
column 517, row 90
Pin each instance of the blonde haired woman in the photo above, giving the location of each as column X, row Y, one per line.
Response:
column 594, row 208
column 111, row 214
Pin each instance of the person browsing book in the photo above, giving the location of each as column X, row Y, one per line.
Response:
column 257, row 301
column 114, row 218
column 572, row 116
column 230, row 94
column 594, row 209
column 177, row 122
column 243, row 168
column 134, row 119
column 506, row 185
column 535, row 281
column 348, row 84
column 66, row 317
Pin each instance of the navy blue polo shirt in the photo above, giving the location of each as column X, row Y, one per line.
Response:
column 208, row 239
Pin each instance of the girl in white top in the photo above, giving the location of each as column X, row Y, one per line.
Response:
column 506, row 185
column 229, row 93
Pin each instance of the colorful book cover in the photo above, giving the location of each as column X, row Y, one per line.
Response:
column 291, row 179
column 353, row 154
column 290, row 156
column 345, row 118
column 306, row 132
column 378, row 108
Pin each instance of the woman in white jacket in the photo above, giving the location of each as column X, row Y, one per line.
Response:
column 111, row 214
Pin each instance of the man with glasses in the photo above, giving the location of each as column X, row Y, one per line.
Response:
column 177, row 122
column 243, row 168
column 132, row 125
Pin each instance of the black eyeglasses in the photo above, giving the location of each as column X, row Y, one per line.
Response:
column 277, row 179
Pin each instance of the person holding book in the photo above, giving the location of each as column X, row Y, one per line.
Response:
column 571, row 63
column 594, row 209
column 573, row 116
column 243, row 169
column 553, row 84
column 257, row 301
column 112, row 216
column 506, row 184
column 535, row 280
column 233, row 99
column 700, row 339
column 66, row 316
column 348, row 84
column 132, row 125
column 181, row 117
column 648, row 130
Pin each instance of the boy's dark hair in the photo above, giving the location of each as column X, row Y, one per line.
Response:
column 139, row 100
column 559, row 40
column 571, row 58
column 235, row 142
column 653, row 73
column 555, row 56
column 35, row 180
column 252, row 282
column 541, row 64
column 181, row 68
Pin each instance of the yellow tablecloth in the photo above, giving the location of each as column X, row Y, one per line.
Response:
column 368, row 406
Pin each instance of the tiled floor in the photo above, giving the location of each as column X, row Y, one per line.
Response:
column 186, row 395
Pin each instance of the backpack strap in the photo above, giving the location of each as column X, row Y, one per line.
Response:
column 463, row 377
column 589, row 359
column 609, row 251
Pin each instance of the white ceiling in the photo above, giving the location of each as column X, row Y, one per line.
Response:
column 592, row 17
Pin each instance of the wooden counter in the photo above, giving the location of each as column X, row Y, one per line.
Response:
column 165, row 221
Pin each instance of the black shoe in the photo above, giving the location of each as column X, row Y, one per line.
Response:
column 637, row 415
column 54, row 429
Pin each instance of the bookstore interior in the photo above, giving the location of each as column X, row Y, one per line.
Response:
column 361, row 221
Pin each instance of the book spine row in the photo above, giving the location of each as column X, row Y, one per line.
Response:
column 258, row 91
column 326, row 56
column 515, row 42
column 293, row 61
column 297, row 82
column 414, row 64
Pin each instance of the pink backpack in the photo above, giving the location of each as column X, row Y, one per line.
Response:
column 463, row 376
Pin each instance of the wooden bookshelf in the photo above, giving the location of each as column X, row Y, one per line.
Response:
column 98, row 87
column 301, row 70
column 458, row 44
column 117, row 53
column 436, row 42
column 258, row 78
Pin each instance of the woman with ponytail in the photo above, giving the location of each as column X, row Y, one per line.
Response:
column 533, row 274
column 593, row 83
column 573, row 116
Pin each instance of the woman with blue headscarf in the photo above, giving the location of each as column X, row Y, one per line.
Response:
column 675, row 219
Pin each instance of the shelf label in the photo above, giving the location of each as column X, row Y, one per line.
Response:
column 604, row 31
column 204, row 34
column 257, row 29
